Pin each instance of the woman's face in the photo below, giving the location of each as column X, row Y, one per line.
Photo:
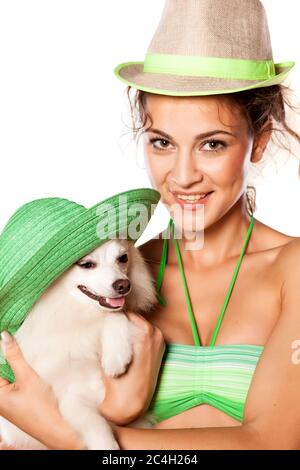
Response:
column 197, row 145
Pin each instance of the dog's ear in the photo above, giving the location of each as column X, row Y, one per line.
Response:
column 142, row 297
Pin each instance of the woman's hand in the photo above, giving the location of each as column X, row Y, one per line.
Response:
column 128, row 396
column 30, row 404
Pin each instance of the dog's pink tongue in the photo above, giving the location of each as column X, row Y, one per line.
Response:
column 115, row 302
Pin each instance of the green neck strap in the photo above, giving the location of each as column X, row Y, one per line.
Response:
column 186, row 292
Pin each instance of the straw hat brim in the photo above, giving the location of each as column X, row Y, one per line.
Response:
column 132, row 74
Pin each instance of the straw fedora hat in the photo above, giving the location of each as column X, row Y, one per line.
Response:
column 44, row 237
column 206, row 47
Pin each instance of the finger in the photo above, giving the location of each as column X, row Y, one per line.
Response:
column 4, row 446
column 141, row 323
column 136, row 318
column 13, row 354
column 3, row 382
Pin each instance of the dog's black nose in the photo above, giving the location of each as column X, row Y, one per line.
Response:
column 122, row 286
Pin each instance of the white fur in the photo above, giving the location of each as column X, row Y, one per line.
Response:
column 67, row 333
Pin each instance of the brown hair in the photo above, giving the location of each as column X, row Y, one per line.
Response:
column 259, row 106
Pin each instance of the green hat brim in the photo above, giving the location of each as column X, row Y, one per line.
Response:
column 131, row 73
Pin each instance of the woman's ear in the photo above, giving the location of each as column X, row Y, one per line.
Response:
column 261, row 141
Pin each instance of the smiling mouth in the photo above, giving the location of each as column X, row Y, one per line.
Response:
column 108, row 302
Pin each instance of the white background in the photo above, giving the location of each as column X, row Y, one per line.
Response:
column 62, row 110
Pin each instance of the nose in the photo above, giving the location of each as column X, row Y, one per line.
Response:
column 185, row 171
column 121, row 286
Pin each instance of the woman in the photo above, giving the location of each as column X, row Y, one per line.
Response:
column 227, row 380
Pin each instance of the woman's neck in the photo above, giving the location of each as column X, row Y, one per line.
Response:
column 217, row 242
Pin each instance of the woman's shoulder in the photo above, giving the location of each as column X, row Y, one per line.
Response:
column 283, row 248
column 289, row 256
column 268, row 239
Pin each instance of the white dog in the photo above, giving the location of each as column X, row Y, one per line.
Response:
column 78, row 322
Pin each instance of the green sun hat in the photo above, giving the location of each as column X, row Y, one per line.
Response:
column 207, row 47
column 44, row 237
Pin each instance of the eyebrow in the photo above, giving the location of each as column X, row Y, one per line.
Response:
column 199, row 136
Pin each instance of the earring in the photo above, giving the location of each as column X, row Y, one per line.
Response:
column 251, row 199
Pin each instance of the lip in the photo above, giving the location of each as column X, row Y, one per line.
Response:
column 193, row 205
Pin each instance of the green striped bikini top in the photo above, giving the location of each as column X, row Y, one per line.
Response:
column 191, row 375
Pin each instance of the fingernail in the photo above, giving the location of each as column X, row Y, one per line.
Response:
column 6, row 338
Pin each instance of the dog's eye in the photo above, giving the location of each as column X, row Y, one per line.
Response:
column 87, row 264
column 123, row 258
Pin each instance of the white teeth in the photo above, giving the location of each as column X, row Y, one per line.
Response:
column 195, row 197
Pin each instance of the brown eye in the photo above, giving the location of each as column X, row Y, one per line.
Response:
column 123, row 258
column 86, row 264
column 159, row 144
column 214, row 145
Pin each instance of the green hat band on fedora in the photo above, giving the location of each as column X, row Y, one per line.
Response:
column 207, row 47
column 45, row 237
column 209, row 66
